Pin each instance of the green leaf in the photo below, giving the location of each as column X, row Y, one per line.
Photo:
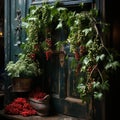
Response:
column 59, row 25
column 81, row 88
column 86, row 31
column 113, row 65
column 94, row 12
column 24, row 24
column 89, row 43
column 32, row 19
column 96, row 84
column 61, row 9
column 86, row 61
column 100, row 57
column 98, row 95
column 105, row 85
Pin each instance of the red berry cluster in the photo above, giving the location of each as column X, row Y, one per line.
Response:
column 80, row 52
column 48, row 54
column 20, row 106
column 32, row 55
column 37, row 94
column 77, row 55
column 48, row 42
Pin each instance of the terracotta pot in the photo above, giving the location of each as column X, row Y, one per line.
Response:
column 41, row 106
column 21, row 84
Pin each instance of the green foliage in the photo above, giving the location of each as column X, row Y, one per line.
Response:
column 85, row 31
column 95, row 60
column 23, row 67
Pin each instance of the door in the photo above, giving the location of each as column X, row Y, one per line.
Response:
column 12, row 7
column 63, row 85
column 62, row 80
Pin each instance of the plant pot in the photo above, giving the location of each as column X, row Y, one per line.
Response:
column 41, row 106
column 21, row 84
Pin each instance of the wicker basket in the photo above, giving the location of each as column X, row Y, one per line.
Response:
column 41, row 106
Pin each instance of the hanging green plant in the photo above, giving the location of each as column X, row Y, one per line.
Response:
column 91, row 57
column 92, row 62
column 85, row 40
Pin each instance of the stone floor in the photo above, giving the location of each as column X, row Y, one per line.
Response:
column 19, row 117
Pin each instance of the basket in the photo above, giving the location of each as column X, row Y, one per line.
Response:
column 41, row 106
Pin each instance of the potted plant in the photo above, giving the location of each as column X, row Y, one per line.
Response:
column 23, row 67
column 22, row 72
column 27, row 67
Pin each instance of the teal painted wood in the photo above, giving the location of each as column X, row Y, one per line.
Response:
column 61, row 91
column 62, row 84
column 11, row 8
column 12, row 33
column 7, row 30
